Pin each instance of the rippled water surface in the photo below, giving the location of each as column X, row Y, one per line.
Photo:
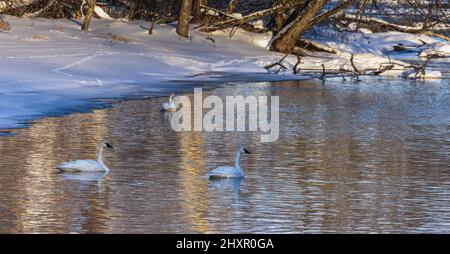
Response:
column 372, row 156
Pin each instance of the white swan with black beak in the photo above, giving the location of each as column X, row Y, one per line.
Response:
column 169, row 106
column 228, row 171
column 87, row 165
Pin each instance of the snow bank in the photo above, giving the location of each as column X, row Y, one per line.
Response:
column 70, row 67
column 260, row 40
column 427, row 74
column 438, row 49
column 366, row 42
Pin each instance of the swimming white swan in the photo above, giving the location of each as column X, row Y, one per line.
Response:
column 169, row 106
column 230, row 172
column 87, row 165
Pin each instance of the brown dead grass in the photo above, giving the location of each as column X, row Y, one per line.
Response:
column 39, row 37
column 121, row 38
column 114, row 37
column 58, row 29
column 4, row 25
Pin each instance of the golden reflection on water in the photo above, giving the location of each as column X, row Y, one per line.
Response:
column 36, row 151
column 192, row 162
column 348, row 160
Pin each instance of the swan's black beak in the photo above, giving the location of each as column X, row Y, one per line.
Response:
column 108, row 145
column 246, row 151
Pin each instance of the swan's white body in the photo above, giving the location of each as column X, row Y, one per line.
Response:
column 87, row 165
column 83, row 165
column 228, row 171
column 169, row 106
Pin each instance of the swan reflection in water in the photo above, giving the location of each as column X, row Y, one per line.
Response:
column 227, row 184
column 84, row 177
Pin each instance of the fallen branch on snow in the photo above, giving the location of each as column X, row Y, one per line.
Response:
column 389, row 26
column 279, row 63
column 233, row 21
column 223, row 17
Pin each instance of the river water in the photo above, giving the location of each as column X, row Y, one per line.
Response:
column 372, row 156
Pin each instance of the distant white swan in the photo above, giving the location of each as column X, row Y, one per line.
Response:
column 169, row 106
column 228, row 171
column 87, row 165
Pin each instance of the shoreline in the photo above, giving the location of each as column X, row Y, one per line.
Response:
column 102, row 103
column 69, row 70
column 105, row 103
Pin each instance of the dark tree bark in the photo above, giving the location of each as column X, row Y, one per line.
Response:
column 152, row 25
column 286, row 38
column 183, row 19
column 90, row 13
column 197, row 6
column 280, row 19
column 232, row 6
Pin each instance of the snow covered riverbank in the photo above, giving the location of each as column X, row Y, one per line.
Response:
column 48, row 66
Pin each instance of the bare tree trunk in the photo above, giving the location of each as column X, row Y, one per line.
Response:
column 183, row 19
column 280, row 19
column 232, row 6
column 284, row 14
column 197, row 6
column 152, row 25
column 90, row 13
column 197, row 10
column 285, row 40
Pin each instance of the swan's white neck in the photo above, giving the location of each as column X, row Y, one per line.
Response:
column 100, row 157
column 237, row 162
column 171, row 99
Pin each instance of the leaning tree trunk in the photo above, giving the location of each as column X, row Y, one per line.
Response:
column 183, row 19
column 90, row 13
column 232, row 6
column 281, row 15
column 286, row 38
column 280, row 18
